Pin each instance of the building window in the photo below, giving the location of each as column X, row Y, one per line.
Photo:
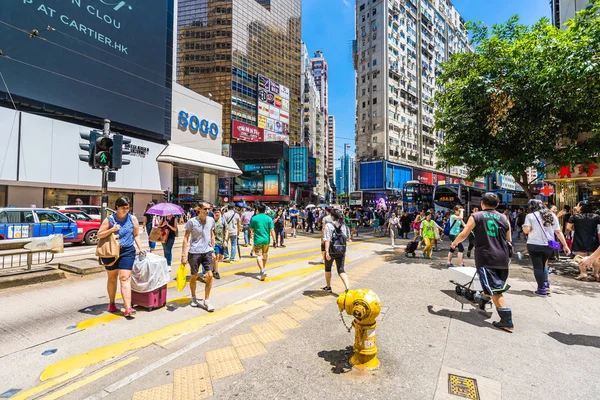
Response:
column 375, row 100
column 363, row 79
column 374, row 11
column 374, row 25
column 363, row 92
column 364, row 116
column 374, row 62
column 374, row 139
column 363, row 104
column 374, row 88
column 362, row 7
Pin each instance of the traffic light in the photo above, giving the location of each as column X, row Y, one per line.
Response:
column 102, row 152
column 90, row 139
column 118, row 151
column 166, row 195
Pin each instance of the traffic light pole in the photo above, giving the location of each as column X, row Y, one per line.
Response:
column 106, row 133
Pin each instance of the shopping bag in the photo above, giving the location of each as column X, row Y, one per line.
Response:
column 181, row 277
column 159, row 235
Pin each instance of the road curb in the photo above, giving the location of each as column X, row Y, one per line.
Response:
column 85, row 266
column 47, row 274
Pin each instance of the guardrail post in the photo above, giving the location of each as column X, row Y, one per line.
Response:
column 29, row 261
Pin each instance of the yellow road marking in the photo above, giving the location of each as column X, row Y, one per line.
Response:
column 101, row 320
column 89, row 379
column 303, row 271
column 116, row 349
column 171, row 340
column 48, row 385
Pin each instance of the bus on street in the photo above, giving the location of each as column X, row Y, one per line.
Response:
column 417, row 196
column 445, row 197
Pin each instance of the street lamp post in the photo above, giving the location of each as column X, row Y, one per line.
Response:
column 346, row 170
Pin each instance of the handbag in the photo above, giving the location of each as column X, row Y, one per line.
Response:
column 108, row 247
column 553, row 244
column 160, row 235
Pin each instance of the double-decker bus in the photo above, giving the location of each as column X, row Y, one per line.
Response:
column 355, row 199
column 445, row 197
column 511, row 199
column 417, row 196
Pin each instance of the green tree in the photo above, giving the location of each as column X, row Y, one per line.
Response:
column 528, row 96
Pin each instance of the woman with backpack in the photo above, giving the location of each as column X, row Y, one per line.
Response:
column 279, row 223
column 336, row 234
column 452, row 229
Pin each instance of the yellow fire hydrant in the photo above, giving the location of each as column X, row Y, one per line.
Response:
column 364, row 305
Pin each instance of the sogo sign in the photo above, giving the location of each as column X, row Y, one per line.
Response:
column 197, row 125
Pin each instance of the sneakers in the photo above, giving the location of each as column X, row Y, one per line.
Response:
column 207, row 306
column 217, row 276
column 170, row 268
column 263, row 276
column 541, row 292
column 520, row 256
column 112, row 307
column 327, row 289
column 227, row 260
column 194, row 302
column 282, row 245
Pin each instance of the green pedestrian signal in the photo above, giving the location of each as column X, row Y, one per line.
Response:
column 103, row 158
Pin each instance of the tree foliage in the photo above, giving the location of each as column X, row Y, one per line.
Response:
column 528, row 96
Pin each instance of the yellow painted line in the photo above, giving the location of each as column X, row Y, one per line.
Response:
column 89, row 379
column 101, row 320
column 269, row 265
column 45, row 386
column 116, row 349
column 164, row 344
column 303, row 271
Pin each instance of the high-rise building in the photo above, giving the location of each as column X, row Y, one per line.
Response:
column 399, row 48
column 330, row 163
column 225, row 44
column 345, row 180
column 562, row 10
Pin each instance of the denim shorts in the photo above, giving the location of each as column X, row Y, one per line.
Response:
column 125, row 261
column 219, row 249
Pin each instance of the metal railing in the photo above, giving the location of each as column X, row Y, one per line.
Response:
column 25, row 253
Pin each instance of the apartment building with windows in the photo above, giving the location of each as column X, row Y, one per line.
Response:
column 562, row 10
column 400, row 45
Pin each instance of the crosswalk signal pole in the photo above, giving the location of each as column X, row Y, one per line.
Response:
column 105, row 168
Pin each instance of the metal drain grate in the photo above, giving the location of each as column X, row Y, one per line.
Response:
column 463, row 387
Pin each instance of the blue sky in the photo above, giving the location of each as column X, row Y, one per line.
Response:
column 329, row 25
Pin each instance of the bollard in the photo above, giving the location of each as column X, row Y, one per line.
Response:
column 364, row 305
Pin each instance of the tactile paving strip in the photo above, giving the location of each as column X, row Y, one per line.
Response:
column 245, row 339
column 225, row 368
column 164, row 392
column 267, row 332
column 192, row 382
column 218, row 355
column 283, row 322
column 298, row 313
column 250, row 350
column 308, row 305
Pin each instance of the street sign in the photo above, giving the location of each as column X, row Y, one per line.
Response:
column 547, row 191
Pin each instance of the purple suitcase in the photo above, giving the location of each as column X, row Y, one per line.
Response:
column 150, row 300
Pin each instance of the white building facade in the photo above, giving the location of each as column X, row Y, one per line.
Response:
column 563, row 10
column 400, row 45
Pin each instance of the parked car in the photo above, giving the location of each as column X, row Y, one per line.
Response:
column 88, row 226
column 19, row 223
column 92, row 211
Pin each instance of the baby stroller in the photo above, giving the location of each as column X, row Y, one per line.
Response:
column 411, row 247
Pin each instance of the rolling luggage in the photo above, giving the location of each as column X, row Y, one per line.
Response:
column 411, row 247
column 150, row 300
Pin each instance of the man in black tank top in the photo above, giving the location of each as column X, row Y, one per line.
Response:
column 492, row 254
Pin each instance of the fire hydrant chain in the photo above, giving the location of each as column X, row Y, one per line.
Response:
column 349, row 328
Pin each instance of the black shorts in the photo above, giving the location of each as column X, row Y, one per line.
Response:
column 322, row 245
column 203, row 259
column 493, row 280
column 339, row 263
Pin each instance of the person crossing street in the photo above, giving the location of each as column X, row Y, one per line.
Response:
column 234, row 227
column 335, row 235
column 221, row 236
column 197, row 249
column 262, row 231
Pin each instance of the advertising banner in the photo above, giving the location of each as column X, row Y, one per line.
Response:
column 60, row 71
column 263, row 82
column 284, row 117
column 247, row 132
column 271, row 185
column 285, row 105
column 278, row 101
column 278, row 128
column 276, row 137
column 263, row 109
column 298, row 164
column 274, row 112
column 271, row 167
column 284, row 92
column 262, row 121
column 270, row 125
column 312, row 172
column 423, row 176
column 286, row 128
column 254, row 186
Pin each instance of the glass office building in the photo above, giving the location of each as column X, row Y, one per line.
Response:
column 224, row 44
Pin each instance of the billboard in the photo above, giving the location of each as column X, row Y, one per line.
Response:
column 271, row 186
column 273, row 103
column 271, row 167
column 312, row 172
column 298, row 164
column 249, row 133
column 423, row 176
column 91, row 60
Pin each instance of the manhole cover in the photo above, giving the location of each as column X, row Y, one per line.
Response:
column 463, row 387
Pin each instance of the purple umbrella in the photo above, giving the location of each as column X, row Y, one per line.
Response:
column 163, row 209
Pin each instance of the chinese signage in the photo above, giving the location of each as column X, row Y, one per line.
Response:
column 247, row 132
column 580, row 171
column 273, row 110
column 298, row 164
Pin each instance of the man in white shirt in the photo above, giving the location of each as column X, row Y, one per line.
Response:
column 234, row 227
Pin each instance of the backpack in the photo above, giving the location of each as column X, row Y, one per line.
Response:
column 449, row 227
column 337, row 246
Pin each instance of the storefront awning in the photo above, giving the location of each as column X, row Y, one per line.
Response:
column 174, row 153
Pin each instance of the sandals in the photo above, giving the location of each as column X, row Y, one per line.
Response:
column 581, row 278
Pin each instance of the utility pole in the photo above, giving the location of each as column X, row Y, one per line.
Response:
column 105, row 169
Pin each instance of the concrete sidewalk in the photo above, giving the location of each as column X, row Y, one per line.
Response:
column 425, row 334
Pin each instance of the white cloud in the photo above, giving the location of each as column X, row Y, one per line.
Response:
column 347, row 3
